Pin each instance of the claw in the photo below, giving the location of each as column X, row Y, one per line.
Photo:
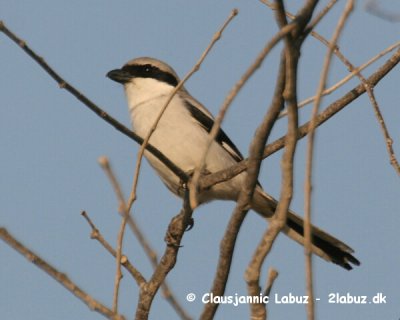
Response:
column 171, row 241
column 190, row 225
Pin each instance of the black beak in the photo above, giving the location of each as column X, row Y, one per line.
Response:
column 119, row 75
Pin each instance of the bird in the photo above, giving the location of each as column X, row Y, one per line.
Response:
column 182, row 135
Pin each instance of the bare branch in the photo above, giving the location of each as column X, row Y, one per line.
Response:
column 384, row 129
column 320, row 16
column 149, row 251
column 227, row 247
column 339, row 104
column 60, row 277
column 253, row 271
column 370, row 91
column 256, row 152
column 228, row 242
column 173, row 238
column 353, row 73
column 151, row 254
column 88, row 103
column 272, row 275
column 293, row 42
column 96, row 234
column 226, row 104
column 123, row 210
column 226, row 174
column 309, row 161
column 289, row 92
column 252, row 275
column 140, row 280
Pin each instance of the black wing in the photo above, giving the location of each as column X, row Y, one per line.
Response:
column 221, row 138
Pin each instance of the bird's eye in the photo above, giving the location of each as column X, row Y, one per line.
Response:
column 147, row 68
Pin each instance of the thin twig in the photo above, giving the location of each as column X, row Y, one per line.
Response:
column 346, row 79
column 226, row 104
column 252, row 275
column 311, row 26
column 384, row 129
column 228, row 242
column 354, row 72
column 151, row 254
column 313, row 23
column 237, row 219
column 140, row 280
column 278, row 221
column 309, row 159
column 195, row 68
column 105, row 164
column 272, row 275
column 96, row 234
column 370, row 91
column 153, row 257
column 253, row 270
column 149, row 251
column 60, row 277
column 339, row 104
column 118, row 259
column 293, row 43
column 226, row 174
column 316, row 35
column 227, row 247
column 63, row 84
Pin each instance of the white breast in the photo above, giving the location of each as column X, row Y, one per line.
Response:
column 178, row 136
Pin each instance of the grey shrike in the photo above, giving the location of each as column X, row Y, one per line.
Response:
column 182, row 134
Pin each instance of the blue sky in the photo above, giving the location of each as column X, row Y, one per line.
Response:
column 50, row 144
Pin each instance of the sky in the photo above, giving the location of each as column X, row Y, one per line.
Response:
column 50, row 144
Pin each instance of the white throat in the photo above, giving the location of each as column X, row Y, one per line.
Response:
column 146, row 97
column 143, row 90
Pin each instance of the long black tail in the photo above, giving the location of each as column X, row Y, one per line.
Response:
column 333, row 249
column 323, row 244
